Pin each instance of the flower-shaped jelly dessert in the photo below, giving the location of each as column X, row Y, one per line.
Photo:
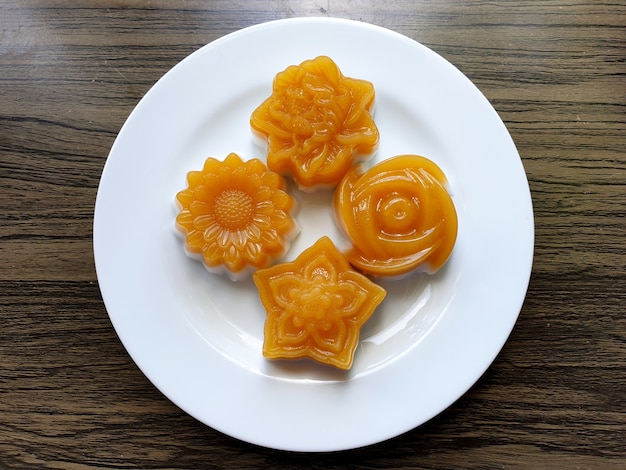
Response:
column 317, row 123
column 398, row 216
column 316, row 306
column 235, row 215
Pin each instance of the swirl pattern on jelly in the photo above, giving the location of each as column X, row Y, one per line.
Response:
column 398, row 216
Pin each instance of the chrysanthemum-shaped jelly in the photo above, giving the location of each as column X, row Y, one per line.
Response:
column 235, row 215
column 398, row 216
column 316, row 306
column 317, row 123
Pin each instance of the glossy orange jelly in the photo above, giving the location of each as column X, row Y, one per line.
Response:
column 317, row 123
column 398, row 216
column 236, row 216
column 316, row 306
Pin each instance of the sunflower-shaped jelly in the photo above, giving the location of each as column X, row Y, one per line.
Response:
column 317, row 123
column 316, row 306
column 235, row 216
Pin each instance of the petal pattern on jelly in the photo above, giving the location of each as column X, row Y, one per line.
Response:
column 236, row 214
column 317, row 122
column 315, row 306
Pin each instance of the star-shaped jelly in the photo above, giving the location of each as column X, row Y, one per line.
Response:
column 316, row 306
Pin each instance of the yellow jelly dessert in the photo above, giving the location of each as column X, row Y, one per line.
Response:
column 398, row 216
column 317, row 123
column 235, row 216
column 316, row 306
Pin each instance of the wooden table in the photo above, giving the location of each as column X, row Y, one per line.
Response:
column 70, row 74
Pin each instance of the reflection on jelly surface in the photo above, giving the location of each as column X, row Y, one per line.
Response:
column 316, row 122
column 316, row 306
column 398, row 216
column 235, row 215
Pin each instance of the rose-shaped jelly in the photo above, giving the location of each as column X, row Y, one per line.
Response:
column 316, row 306
column 235, row 215
column 317, row 123
column 398, row 216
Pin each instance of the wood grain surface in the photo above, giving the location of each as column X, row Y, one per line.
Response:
column 70, row 74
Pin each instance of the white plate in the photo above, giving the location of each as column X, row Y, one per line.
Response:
column 198, row 336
